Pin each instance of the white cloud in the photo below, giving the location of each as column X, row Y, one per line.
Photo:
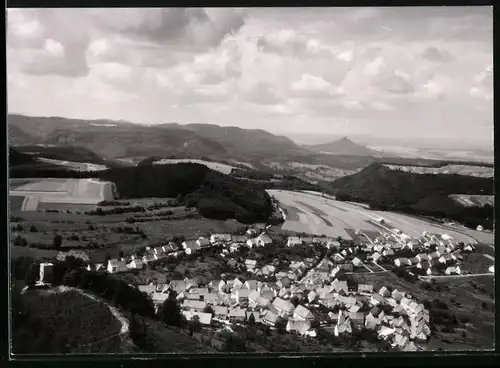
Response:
column 376, row 67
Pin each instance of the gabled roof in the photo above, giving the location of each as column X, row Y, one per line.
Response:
column 270, row 317
column 299, row 326
column 367, row 288
column 220, row 310
column 195, row 304
column 283, row 305
column 250, row 262
column 303, row 312
column 238, row 312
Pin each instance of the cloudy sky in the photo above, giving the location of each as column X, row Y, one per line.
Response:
column 393, row 72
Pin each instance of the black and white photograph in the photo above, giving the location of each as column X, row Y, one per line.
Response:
column 250, row 180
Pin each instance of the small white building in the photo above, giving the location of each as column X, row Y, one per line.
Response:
column 115, row 266
column 46, row 273
column 293, row 241
column 135, row 264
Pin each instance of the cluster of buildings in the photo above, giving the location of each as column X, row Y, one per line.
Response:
column 393, row 315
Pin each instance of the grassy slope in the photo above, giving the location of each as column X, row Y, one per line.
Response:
column 64, row 323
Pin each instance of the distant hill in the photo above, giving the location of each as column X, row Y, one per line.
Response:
column 121, row 139
column 64, row 153
column 425, row 194
column 344, row 146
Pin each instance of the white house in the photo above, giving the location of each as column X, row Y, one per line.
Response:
column 283, row 307
column 399, row 262
column 253, row 242
column 250, row 264
column 453, row 270
column 135, row 264
column 115, row 266
column 202, row 242
column 333, row 244
column 293, row 241
column 264, row 240
column 357, row 262
column 237, row 315
column 302, row 314
column 216, row 238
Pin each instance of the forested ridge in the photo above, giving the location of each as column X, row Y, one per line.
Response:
column 420, row 194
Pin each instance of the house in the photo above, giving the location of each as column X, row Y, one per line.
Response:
column 423, row 265
column 343, row 324
column 191, row 247
column 220, row 238
column 220, row 312
column 357, row 318
column 256, row 316
column 333, row 245
column 202, row 242
column 348, row 267
column 422, row 257
column 204, row 318
column 311, row 297
column 365, row 288
column 340, row 286
column 253, row 297
column 250, row 264
column 376, row 257
column 159, row 298
column 148, row 289
column 293, row 241
column 371, row 322
column 431, row 271
column 264, row 240
column 397, row 295
column 135, row 264
column 338, row 258
column 388, row 253
column 159, row 255
column 400, row 262
column 251, row 232
column 446, row 259
column 240, row 239
column 354, row 308
column 236, row 283
column 434, row 255
column 384, row 291
column 385, row 333
column 301, row 313
column 283, row 307
column 253, row 242
column 268, row 270
column 237, row 315
column 115, row 266
column 270, row 318
column 234, row 247
column 301, row 327
column 468, row 248
column 347, row 301
column 453, row 270
column 148, row 258
column 194, row 305
column 242, row 295
column 284, row 282
column 251, row 284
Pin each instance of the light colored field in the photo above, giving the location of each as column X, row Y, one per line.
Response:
column 223, row 168
column 77, row 166
column 479, row 171
column 72, row 191
column 314, row 172
column 473, row 200
column 344, row 215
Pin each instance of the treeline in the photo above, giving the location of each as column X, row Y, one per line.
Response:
column 216, row 195
column 71, row 272
column 418, row 194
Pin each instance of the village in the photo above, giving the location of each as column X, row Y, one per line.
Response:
column 305, row 295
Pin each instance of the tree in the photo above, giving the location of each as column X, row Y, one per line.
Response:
column 171, row 312
column 251, row 319
column 484, row 305
column 295, row 301
column 57, row 241
column 33, row 229
column 121, row 254
column 209, row 309
column 280, row 325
